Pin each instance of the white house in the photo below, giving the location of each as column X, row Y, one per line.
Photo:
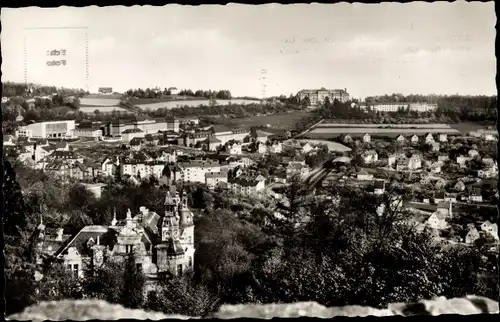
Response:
column 415, row 162
column 476, row 195
column 214, row 179
column 443, row 137
column 443, row 157
column 461, row 160
column 379, row 187
column 261, row 148
column 459, row 186
column 367, row 138
column 473, row 153
column 400, row 139
column 234, row 148
column 8, row 140
column 437, row 221
column 275, row 147
column 472, row 235
column 429, row 138
column 194, row 171
column 306, row 148
column 108, row 167
column 435, row 146
column 490, row 228
column 363, row 175
column 489, row 137
column 414, row 139
column 436, row 167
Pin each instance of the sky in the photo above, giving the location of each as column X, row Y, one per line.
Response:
column 264, row 50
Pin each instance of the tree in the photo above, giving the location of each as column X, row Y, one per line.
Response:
column 133, row 284
column 80, row 198
column 58, row 284
column 18, row 250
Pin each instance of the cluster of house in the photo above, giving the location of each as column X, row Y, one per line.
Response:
column 439, row 221
column 159, row 243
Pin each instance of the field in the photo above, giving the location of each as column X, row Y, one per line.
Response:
column 387, row 126
column 191, row 103
column 278, row 121
column 332, row 146
column 99, row 101
column 102, row 109
column 327, row 131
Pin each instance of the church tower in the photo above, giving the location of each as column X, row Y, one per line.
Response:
column 171, row 255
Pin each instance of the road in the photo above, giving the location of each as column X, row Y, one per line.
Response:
column 307, row 130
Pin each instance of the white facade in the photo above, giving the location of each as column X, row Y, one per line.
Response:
column 49, row 129
column 143, row 169
column 195, row 171
column 127, row 137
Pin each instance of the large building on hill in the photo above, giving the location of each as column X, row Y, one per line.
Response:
column 394, row 107
column 159, row 243
column 318, row 96
column 147, row 125
column 105, row 90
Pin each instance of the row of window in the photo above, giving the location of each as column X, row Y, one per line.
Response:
column 73, row 268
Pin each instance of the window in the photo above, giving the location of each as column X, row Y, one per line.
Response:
column 190, row 261
column 179, row 269
column 129, row 249
column 75, row 270
column 138, row 266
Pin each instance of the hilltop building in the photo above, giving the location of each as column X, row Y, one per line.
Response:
column 318, row 96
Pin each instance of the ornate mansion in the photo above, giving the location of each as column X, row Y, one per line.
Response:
column 160, row 244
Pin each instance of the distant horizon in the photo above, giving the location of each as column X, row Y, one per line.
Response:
column 250, row 96
column 436, row 47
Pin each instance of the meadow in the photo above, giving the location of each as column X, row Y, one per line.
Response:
column 385, row 126
column 102, row 109
column 192, row 103
column 279, row 121
column 99, row 101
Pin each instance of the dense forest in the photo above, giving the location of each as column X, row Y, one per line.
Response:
column 12, row 89
column 346, row 253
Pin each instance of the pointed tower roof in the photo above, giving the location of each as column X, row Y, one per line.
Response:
column 169, row 200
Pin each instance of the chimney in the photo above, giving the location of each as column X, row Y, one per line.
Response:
column 98, row 240
column 59, row 234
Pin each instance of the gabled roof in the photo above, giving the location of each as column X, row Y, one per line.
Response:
column 362, row 172
column 106, row 237
column 7, row 138
column 136, row 141
column 132, row 131
column 212, row 139
column 56, row 165
column 220, row 129
column 91, row 164
column 64, row 154
column 261, row 134
column 444, row 205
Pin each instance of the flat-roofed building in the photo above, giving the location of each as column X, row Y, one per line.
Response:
column 49, row 129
